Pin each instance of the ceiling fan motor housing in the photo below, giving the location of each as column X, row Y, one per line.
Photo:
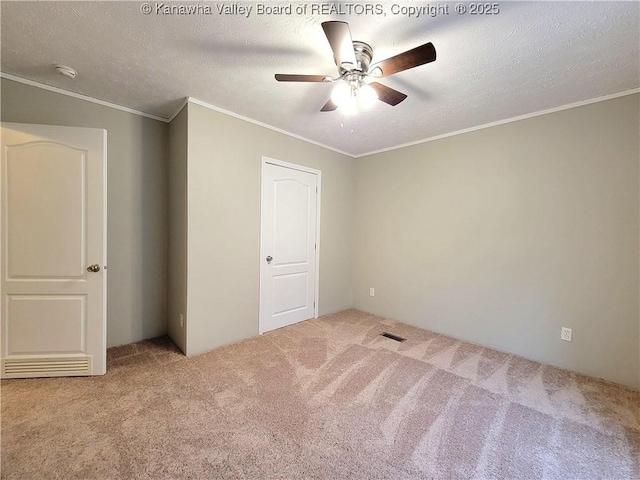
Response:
column 364, row 54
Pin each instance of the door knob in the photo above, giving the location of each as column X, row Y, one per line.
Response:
column 269, row 258
column 93, row 268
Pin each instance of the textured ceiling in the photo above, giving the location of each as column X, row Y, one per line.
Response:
column 531, row 56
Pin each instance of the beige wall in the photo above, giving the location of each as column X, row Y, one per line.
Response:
column 137, row 203
column 177, row 301
column 503, row 235
column 499, row 236
column 224, row 159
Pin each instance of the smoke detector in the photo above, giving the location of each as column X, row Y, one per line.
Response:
column 66, row 71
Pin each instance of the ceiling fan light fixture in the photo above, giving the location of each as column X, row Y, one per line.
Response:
column 350, row 107
column 353, row 59
column 341, row 94
column 367, row 96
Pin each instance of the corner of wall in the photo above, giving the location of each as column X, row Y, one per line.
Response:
column 177, row 301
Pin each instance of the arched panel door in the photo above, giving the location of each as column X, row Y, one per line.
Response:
column 53, row 247
column 289, row 246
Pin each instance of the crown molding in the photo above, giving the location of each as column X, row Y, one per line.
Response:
column 68, row 93
column 307, row 140
column 506, row 120
column 265, row 125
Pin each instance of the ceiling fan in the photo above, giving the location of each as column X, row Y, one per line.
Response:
column 353, row 59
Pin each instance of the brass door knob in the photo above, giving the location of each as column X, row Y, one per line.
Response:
column 93, row 268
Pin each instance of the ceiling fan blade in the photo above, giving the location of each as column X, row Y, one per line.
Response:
column 388, row 95
column 404, row 61
column 300, row 78
column 329, row 106
column 339, row 37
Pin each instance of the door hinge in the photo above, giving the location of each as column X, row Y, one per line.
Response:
column 314, row 304
column 315, row 246
column 316, row 190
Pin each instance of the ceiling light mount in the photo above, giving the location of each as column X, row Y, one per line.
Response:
column 66, row 71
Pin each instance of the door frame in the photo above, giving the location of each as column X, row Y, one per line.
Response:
column 318, row 174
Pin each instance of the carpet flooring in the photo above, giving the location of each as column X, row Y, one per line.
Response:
column 325, row 398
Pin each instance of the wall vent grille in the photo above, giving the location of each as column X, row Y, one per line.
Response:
column 46, row 367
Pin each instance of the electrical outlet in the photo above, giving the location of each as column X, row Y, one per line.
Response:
column 372, row 292
column 181, row 321
column 565, row 334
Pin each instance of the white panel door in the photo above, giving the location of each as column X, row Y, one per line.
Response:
column 53, row 245
column 289, row 212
